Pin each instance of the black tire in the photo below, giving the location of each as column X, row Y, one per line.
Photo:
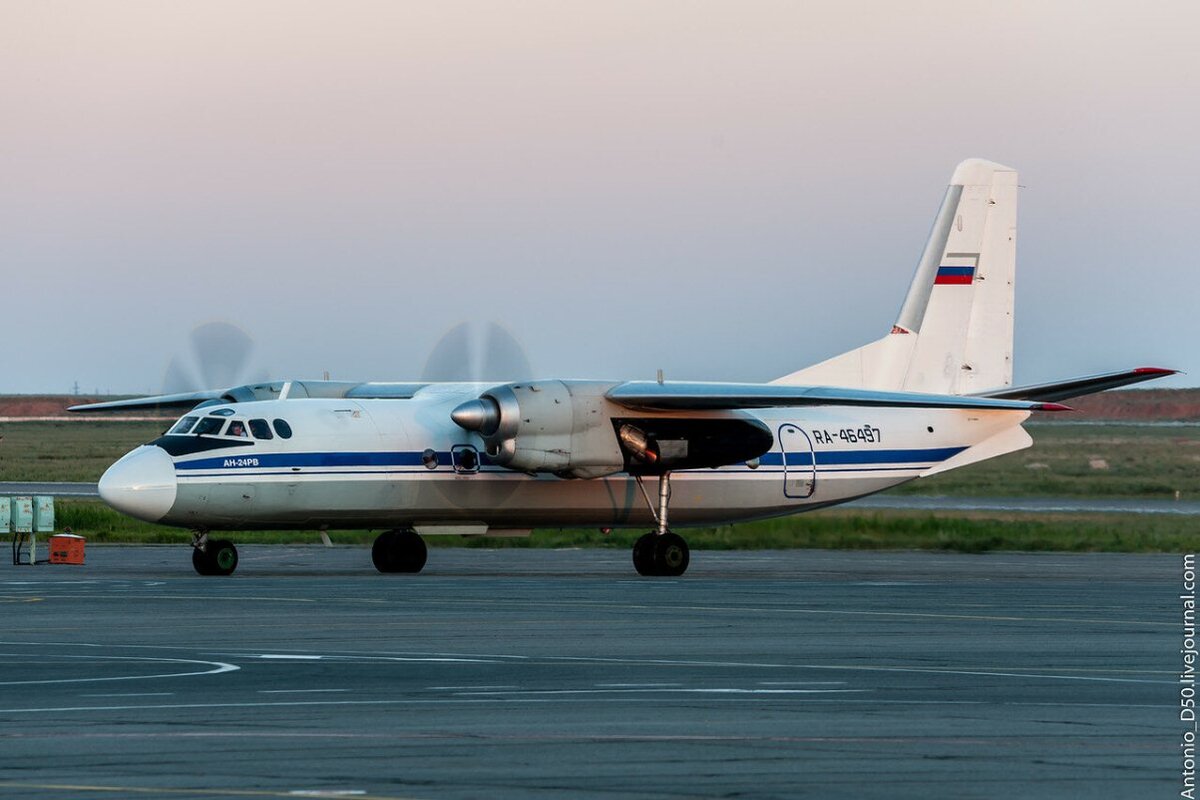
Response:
column 383, row 552
column 222, row 556
column 413, row 552
column 200, row 562
column 671, row 555
column 399, row 551
column 643, row 554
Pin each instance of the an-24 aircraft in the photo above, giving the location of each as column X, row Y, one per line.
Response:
column 418, row 459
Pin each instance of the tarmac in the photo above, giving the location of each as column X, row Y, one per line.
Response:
column 537, row 673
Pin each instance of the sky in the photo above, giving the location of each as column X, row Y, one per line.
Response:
column 723, row 190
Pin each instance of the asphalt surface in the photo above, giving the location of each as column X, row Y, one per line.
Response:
column 532, row 673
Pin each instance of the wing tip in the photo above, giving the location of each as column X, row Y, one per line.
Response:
column 1052, row 407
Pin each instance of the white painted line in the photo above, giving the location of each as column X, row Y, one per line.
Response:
column 327, row 792
column 635, row 697
column 289, row 657
column 449, row 688
column 217, row 668
column 299, row 691
column 636, row 685
column 666, row 691
column 801, row 683
column 132, row 694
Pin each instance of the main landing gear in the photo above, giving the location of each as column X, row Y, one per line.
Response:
column 660, row 552
column 399, row 551
column 213, row 556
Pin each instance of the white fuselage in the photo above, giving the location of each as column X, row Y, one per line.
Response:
column 403, row 463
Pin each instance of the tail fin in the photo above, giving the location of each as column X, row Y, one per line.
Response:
column 954, row 333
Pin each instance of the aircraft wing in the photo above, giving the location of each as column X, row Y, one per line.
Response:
column 184, row 400
column 1077, row 387
column 651, row 395
column 263, row 391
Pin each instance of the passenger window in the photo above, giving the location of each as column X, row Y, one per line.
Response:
column 259, row 429
column 283, row 429
column 237, row 428
column 184, row 425
column 209, row 426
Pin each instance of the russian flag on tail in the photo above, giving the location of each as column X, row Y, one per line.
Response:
column 952, row 276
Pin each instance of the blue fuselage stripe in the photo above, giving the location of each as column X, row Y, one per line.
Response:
column 413, row 459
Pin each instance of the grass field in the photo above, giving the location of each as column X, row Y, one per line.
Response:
column 68, row 451
column 1065, row 460
column 1084, row 461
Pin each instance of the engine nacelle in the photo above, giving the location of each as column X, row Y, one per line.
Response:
column 570, row 428
column 547, row 426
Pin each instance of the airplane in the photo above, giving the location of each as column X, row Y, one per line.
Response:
column 501, row 458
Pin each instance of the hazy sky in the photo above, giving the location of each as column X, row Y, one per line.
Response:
column 728, row 191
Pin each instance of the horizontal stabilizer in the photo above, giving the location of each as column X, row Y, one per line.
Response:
column 1077, row 387
column 651, row 395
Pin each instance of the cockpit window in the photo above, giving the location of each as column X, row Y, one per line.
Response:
column 259, row 429
column 184, row 425
column 237, row 428
column 209, row 426
column 283, row 429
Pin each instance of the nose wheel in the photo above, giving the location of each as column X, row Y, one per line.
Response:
column 213, row 556
column 399, row 551
column 660, row 552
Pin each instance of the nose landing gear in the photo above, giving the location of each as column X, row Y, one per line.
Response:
column 660, row 552
column 213, row 556
column 399, row 551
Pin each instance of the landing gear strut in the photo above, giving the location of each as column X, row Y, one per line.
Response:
column 213, row 556
column 399, row 551
column 660, row 552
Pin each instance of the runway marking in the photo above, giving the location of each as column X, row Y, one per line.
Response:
column 801, row 683
column 299, row 691
column 619, row 698
column 217, row 668
column 288, row 656
column 175, row 792
column 629, row 685
column 977, row 672
column 630, row 697
column 449, row 688
column 982, row 673
column 729, row 690
column 361, row 658
column 132, row 694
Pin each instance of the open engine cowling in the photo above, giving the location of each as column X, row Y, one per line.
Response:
column 571, row 429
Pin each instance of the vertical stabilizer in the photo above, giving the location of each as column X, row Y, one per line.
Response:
column 954, row 332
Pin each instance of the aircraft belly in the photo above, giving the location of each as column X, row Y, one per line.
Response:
column 502, row 500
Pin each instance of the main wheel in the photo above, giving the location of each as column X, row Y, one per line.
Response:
column 643, row 554
column 399, row 551
column 223, row 557
column 671, row 555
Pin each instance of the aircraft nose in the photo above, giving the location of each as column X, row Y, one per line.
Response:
column 142, row 484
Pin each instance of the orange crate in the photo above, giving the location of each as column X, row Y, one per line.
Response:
column 66, row 548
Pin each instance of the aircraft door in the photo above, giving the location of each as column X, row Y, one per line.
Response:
column 799, row 462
